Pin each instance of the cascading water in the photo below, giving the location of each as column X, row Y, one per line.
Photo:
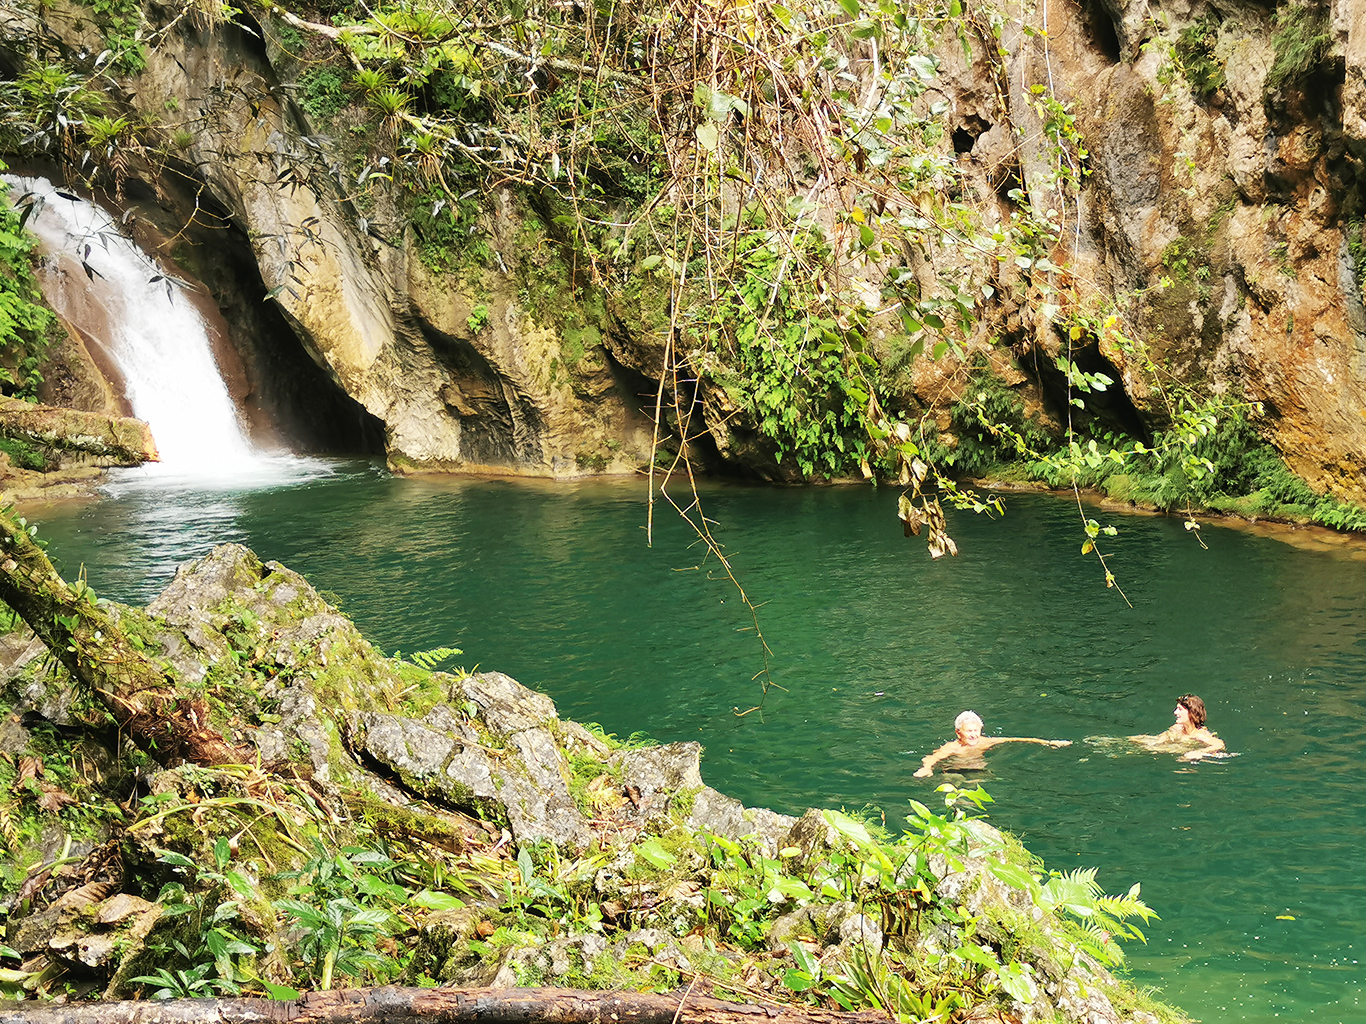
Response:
column 156, row 337
column 156, row 340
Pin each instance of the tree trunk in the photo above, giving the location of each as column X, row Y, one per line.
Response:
column 440, row 1006
column 141, row 696
column 121, row 439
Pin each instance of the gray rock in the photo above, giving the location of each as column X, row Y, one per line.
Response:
column 862, row 932
column 505, row 705
column 524, row 787
column 813, row 836
column 534, row 793
column 725, row 816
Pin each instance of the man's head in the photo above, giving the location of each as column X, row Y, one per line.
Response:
column 1195, row 707
column 968, row 726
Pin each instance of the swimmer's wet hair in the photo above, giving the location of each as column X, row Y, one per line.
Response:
column 969, row 716
column 1195, row 707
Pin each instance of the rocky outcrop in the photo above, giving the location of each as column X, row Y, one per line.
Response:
column 579, row 861
column 1226, row 218
column 122, row 440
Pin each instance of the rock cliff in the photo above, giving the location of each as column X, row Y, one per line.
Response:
column 1214, row 207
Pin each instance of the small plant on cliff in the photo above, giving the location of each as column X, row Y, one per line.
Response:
column 478, row 319
column 1300, row 42
column 322, row 93
column 1195, row 54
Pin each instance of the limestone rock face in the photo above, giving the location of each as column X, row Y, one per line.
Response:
column 1227, row 222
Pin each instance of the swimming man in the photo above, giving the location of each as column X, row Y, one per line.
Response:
column 971, row 744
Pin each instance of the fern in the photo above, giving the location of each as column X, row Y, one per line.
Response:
column 430, row 659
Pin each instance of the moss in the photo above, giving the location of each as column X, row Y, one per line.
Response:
column 681, row 804
column 1300, row 42
column 388, row 820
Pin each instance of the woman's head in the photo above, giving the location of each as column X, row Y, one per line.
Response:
column 1195, row 707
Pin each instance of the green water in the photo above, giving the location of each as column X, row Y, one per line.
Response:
column 879, row 647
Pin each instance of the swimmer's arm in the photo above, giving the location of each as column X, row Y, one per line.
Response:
column 928, row 762
column 1162, row 737
column 1212, row 745
column 1029, row 739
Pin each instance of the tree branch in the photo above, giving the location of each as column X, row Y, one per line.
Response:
column 441, row 1006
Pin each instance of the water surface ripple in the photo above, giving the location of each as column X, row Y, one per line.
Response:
column 878, row 648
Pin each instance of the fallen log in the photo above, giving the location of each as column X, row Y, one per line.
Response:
column 121, row 439
column 441, row 1006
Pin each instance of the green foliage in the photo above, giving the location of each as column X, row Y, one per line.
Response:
column 793, row 368
column 1183, row 259
column 991, row 426
column 322, row 93
column 430, row 659
column 121, row 22
column 478, row 319
column 1300, row 43
column 447, row 231
column 26, row 455
column 26, row 324
column 1195, row 52
column 338, row 936
column 204, row 956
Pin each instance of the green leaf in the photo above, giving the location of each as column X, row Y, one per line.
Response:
column 974, row 953
column 1015, row 980
column 279, row 991
column 851, row 7
column 793, row 888
column 655, row 855
column 848, row 827
column 436, row 900
column 1012, row 875
column 650, row 262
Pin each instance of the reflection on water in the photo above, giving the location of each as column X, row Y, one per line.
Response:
column 879, row 648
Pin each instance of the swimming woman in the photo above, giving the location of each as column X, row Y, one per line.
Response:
column 1188, row 732
column 970, row 744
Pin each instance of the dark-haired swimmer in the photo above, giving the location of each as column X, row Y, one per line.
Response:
column 1188, row 732
column 970, row 744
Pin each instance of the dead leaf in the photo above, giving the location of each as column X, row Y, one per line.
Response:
column 53, row 798
column 29, row 768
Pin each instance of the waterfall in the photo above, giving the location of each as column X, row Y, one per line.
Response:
column 150, row 330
